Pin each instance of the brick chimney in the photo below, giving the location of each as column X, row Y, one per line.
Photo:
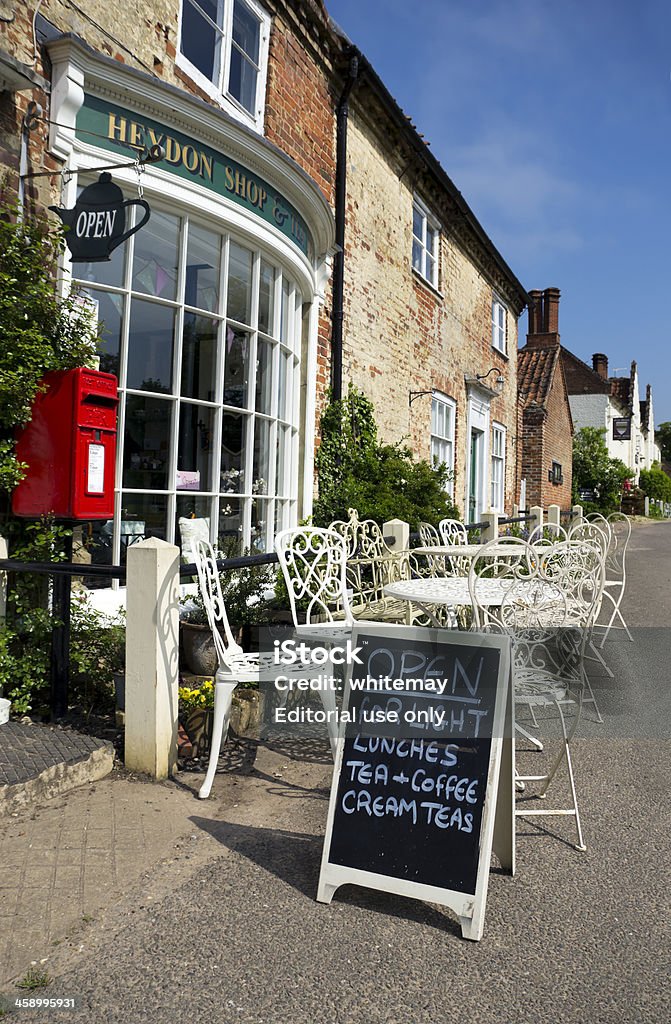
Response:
column 543, row 318
column 600, row 365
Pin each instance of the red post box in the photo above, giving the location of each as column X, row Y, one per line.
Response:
column 70, row 448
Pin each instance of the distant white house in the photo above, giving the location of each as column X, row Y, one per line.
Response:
column 613, row 403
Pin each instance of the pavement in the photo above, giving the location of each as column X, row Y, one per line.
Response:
column 142, row 903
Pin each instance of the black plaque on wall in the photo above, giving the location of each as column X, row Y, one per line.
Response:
column 622, row 428
column 415, row 784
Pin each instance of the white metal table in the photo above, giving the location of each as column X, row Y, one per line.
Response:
column 454, row 592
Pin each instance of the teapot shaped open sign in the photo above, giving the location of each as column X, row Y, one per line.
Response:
column 96, row 225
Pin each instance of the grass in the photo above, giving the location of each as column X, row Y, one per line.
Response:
column 34, row 979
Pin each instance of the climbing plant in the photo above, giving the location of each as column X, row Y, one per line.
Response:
column 39, row 331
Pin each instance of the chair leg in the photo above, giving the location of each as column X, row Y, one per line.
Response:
column 611, row 621
column 566, row 753
column 329, row 703
column 527, row 735
column 599, row 657
column 223, row 698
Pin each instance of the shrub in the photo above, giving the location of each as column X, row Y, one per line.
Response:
column 381, row 481
column 594, row 470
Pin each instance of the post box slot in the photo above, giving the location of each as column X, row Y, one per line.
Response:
column 98, row 399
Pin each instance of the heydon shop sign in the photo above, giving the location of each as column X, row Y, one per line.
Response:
column 192, row 161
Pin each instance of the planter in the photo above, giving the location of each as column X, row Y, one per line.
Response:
column 197, row 724
column 200, row 654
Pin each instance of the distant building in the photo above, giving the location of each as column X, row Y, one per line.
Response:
column 613, row 404
column 546, row 426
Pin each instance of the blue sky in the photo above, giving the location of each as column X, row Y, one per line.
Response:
column 554, row 121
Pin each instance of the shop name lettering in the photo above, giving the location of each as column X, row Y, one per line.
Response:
column 136, row 135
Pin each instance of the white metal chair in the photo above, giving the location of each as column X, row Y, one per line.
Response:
column 596, row 531
column 430, row 538
column 546, row 534
column 234, row 666
column 616, row 572
column 314, row 565
column 452, row 532
column 314, row 562
column 549, row 599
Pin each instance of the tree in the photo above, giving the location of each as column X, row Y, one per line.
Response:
column 381, row 481
column 594, row 470
column 655, row 483
column 663, row 439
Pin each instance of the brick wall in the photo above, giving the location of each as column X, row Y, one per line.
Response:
column 400, row 334
column 547, row 437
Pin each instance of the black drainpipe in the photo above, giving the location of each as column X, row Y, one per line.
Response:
column 340, row 202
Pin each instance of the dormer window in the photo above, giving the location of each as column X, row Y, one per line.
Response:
column 223, row 47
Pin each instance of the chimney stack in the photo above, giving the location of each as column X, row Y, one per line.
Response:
column 600, row 365
column 543, row 318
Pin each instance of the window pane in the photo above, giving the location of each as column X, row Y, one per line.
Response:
column 108, row 308
column 246, row 30
column 195, row 451
column 111, row 273
column 151, row 333
column 202, row 269
column 229, row 533
column 146, row 443
column 199, row 39
column 266, row 297
column 261, row 464
column 417, row 223
column 284, row 313
column 142, row 516
column 417, row 255
column 282, row 482
column 430, row 272
column 259, row 524
column 242, row 80
column 284, row 385
column 190, row 507
column 239, row 284
column 232, row 477
column 264, row 373
column 199, row 357
column 156, row 256
column 236, row 368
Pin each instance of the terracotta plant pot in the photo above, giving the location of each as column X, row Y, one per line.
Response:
column 200, row 653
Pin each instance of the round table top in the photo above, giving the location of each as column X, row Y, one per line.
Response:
column 468, row 550
column 454, row 590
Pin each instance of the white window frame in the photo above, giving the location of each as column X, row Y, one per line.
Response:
column 216, row 89
column 499, row 325
column 429, row 222
column 442, row 443
column 498, row 467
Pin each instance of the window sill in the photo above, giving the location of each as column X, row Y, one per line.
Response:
column 420, row 279
column 499, row 352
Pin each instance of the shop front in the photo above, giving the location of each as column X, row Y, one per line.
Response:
column 209, row 311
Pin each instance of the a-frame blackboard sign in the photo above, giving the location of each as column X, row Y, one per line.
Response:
column 423, row 780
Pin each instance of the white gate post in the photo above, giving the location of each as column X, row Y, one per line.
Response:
column 396, row 534
column 152, row 657
column 576, row 518
column 536, row 513
column 554, row 515
column 491, row 529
